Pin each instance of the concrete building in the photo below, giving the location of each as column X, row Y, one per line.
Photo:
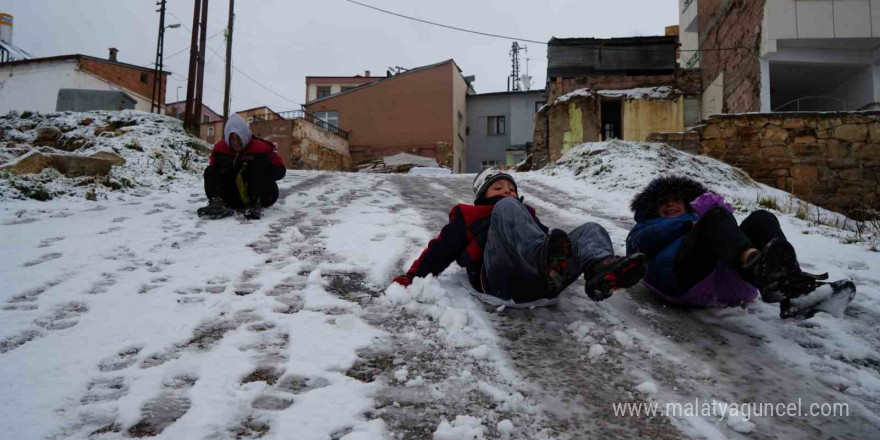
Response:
column 786, row 55
column 318, row 87
column 617, row 88
column 500, row 127
column 34, row 84
column 421, row 111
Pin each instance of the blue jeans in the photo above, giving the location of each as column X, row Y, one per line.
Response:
column 513, row 247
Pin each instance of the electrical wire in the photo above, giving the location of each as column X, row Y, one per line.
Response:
column 255, row 81
column 486, row 34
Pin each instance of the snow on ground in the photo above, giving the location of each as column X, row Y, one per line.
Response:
column 129, row 316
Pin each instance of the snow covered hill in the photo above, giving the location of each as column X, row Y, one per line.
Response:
column 130, row 317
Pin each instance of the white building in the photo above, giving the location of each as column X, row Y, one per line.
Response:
column 33, row 84
column 802, row 55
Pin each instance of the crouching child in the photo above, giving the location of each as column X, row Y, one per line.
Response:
column 512, row 259
column 241, row 173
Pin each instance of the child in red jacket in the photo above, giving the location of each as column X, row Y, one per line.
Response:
column 512, row 259
column 241, row 174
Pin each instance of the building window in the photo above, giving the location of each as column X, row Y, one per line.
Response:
column 144, row 78
column 538, row 105
column 323, row 91
column 496, row 125
column 210, row 131
column 206, row 119
column 250, row 119
column 330, row 117
column 488, row 164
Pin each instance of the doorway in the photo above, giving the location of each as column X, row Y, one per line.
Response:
column 612, row 120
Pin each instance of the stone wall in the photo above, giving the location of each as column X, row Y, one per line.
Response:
column 729, row 24
column 830, row 159
column 688, row 142
column 303, row 145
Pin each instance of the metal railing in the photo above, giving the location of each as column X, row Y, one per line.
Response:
column 302, row 114
column 797, row 104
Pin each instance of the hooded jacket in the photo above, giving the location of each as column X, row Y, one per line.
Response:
column 224, row 157
column 462, row 240
column 660, row 238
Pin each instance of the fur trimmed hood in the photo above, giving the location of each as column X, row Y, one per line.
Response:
column 646, row 203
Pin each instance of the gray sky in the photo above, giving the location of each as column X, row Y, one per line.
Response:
column 280, row 42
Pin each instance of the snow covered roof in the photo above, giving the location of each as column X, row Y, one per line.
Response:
column 661, row 92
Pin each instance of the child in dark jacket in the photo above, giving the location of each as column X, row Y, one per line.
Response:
column 699, row 256
column 241, row 173
column 512, row 259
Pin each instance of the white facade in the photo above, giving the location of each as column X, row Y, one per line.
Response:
column 820, row 55
column 688, row 34
column 35, row 86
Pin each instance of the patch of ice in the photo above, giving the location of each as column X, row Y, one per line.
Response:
column 462, row 428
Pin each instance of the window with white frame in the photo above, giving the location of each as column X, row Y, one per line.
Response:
column 330, row 117
column 210, row 131
column 496, row 125
column 250, row 119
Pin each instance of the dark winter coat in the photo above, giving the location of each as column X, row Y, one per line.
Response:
column 462, row 240
column 661, row 238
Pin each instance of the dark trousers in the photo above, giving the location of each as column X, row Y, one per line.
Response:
column 512, row 250
column 258, row 178
column 717, row 238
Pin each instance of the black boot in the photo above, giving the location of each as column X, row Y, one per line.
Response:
column 774, row 270
column 553, row 259
column 255, row 210
column 612, row 273
column 216, row 208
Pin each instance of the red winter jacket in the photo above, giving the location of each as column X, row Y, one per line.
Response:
column 461, row 240
column 223, row 154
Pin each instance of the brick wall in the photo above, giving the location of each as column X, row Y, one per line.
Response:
column 829, row 159
column 123, row 75
column 728, row 24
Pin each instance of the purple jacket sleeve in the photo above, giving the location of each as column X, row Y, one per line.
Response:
column 707, row 201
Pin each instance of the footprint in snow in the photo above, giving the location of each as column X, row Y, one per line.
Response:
column 119, row 219
column 65, row 315
column 121, row 360
column 49, row 241
column 160, row 412
column 42, row 259
column 104, row 389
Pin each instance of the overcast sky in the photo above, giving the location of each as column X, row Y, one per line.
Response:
column 280, row 42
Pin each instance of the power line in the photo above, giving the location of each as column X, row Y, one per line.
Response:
column 257, row 82
column 486, row 34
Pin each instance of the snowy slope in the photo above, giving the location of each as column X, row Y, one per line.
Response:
column 129, row 316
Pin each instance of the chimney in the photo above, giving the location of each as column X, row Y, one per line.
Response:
column 367, row 73
column 113, row 52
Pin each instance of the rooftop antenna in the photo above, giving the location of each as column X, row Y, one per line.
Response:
column 513, row 80
column 526, row 79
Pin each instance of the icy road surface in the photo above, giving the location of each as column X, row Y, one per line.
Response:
column 131, row 317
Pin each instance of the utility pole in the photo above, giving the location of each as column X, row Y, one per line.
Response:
column 228, row 60
column 156, row 98
column 188, row 123
column 200, row 85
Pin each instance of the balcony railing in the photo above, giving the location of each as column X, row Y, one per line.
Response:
column 301, row 114
column 813, row 103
